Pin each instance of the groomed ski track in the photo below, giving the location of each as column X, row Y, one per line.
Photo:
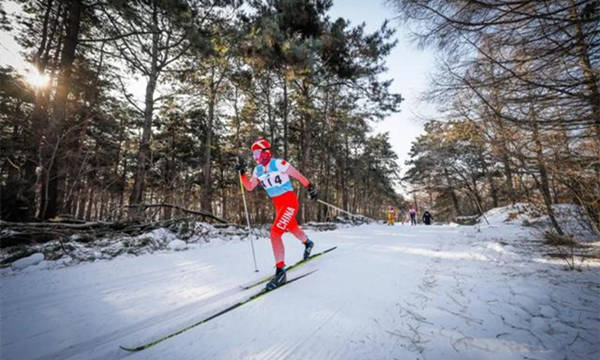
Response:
column 437, row 292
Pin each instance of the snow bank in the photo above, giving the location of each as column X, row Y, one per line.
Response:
column 177, row 237
column 526, row 214
column 508, row 214
column 33, row 259
column 177, row 245
column 71, row 251
column 569, row 217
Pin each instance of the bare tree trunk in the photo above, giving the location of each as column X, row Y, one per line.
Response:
column 345, row 158
column 137, row 193
column 285, row 116
column 508, row 173
column 206, row 168
column 83, row 197
column 90, row 203
column 270, row 119
column 101, row 211
column 508, row 183
column 53, row 156
column 223, row 196
column 490, row 179
column 477, row 196
column 39, row 116
column 306, row 144
column 452, row 193
column 543, row 184
column 122, row 188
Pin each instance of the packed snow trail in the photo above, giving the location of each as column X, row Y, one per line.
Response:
column 401, row 292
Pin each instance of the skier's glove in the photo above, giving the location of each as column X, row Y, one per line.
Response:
column 312, row 192
column 241, row 167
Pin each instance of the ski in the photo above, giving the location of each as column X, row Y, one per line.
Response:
column 226, row 310
column 297, row 264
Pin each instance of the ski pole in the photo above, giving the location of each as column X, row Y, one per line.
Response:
column 248, row 223
column 337, row 208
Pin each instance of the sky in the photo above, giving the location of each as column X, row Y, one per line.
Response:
column 408, row 66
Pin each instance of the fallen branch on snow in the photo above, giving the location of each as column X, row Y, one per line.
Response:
column 204, row 214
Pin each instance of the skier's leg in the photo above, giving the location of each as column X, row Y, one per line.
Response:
column 289, row 201
column 286, row 208
column 297, row 231
column 278, row 229
column 279, row 253
column 277, row 244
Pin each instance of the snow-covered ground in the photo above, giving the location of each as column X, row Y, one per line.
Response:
column 401, row 292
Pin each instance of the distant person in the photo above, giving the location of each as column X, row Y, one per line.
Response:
column 391, row 215
column 427, row 218
column 413, row 215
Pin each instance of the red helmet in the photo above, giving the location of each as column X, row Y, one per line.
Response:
column 261, row 144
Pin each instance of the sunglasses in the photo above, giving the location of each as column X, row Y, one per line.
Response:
column 256, row 154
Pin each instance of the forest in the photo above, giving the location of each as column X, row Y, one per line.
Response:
column 216, row 75
column 517, row 85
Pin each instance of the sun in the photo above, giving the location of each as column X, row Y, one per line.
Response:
column 36, row 79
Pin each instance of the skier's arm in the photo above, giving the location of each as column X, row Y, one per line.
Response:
column 288, row 169
column 291, row 171
column 249, row 184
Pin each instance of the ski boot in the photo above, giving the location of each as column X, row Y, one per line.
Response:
column 277, row 280
column 307, row 248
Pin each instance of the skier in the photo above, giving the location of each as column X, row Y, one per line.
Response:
column 273, row 175
column 391, row 214
column 399, row 217
column 427, row 217
column 413, row 215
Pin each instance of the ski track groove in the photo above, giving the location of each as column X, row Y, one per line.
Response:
column 154, row 321
column 296, row 346
column 119, row 284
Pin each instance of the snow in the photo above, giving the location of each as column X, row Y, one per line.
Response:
column 507, row 214
column 569, row 216
column 70, row 252
column 177, row 245
column 33, row 259
column 386, row 292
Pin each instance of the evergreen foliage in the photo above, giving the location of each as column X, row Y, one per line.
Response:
column 216, row 75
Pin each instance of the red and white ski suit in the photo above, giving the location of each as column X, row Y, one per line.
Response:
column 274, row 177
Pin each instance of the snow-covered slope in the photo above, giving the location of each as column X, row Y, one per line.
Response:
column 569, row 216
column 401, row 292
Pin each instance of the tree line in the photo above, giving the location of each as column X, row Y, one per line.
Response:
column 216, row 74
column 518, row 85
